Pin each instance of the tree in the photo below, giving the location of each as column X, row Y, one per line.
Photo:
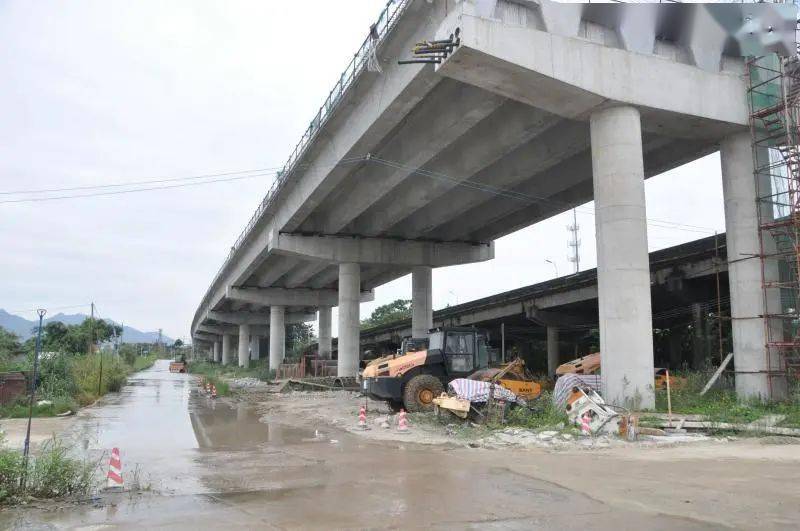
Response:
column 9, row 344
column 74, row 339
column 388, row 313
column 177, row 344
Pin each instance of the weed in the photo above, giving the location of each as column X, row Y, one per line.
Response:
column 539, row 414
column 52, row 473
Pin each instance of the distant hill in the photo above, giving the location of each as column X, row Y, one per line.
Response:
column 24, row 328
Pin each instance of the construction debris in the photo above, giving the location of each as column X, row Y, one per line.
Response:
column 586, row 407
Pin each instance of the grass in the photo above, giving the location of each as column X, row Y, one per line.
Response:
column 720, row 404
column 144, row 362
column 540, row 414
column 57, row 406
column 52, row 473
column 217, row 374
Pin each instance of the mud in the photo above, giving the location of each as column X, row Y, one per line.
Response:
column 223, row 464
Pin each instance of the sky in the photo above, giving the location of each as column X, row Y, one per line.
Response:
column 105, row 92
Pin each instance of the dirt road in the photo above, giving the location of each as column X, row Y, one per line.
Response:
column 221, row 465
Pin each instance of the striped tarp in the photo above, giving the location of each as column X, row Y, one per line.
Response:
column 565, row 383
column 477, row 391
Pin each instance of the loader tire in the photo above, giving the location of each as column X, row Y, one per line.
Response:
column 420, row 391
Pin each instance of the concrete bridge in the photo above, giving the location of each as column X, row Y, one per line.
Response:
column 556, row 316
column 537, row 107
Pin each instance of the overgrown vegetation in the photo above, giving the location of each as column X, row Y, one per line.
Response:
column 720, row 404
column 52, row 473
column 540, row 414
column 215, row 373
column 68, row 378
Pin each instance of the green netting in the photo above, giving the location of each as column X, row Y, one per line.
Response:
column 766, row 81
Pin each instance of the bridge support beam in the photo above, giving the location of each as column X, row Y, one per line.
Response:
column 325, row 336
column 217, row 352
column 750, row 354
column 552, row 351
column 421, row 301
column 349, row 318
column 623, row 268
column 277, row 336
column 227, row 348
column 244, row 345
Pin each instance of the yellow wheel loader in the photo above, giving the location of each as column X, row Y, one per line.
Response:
column 418, row 373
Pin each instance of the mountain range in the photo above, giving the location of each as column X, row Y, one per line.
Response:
column 24, row 328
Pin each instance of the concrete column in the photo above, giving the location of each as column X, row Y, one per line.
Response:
column 623, row 268
column 744, row 270
column 217, row 351
column 227, row 347
column 552, row 350
column 324, row 328
column 277, row 336
column 349, row 323
column 244, row 345
column 675, row 348
column 421, row 301
column 698, row 348
column 255, row 347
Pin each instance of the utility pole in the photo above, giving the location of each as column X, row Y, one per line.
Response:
column 91, row 336
column 158, row 345
column 27, row 447
column 574, row 243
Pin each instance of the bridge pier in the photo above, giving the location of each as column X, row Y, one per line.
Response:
column 324, row 331
column 216, row 352
column 244, row 345
column 552, row 350
column 349, row 318
column 227, row 347
column 255, row 346
column 623, row 268
column 744, row 271
column 277, row 336
column 421, row 301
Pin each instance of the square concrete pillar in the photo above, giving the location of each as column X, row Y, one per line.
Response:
column 751, row 356
column 227, row 348
column 255, row 347
column 244, row 345
column 277, row 336
column 349, row 318
column 552, row 351
column 623, row 267
column 325, row 335
column 421, row 301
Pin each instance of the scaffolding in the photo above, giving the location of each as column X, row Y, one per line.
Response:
column 774, row 99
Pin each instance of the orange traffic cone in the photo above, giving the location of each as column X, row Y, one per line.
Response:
column 208, row 388
column 114, row 470
column 586, row 427
column 402, row 423
column 213, row 391
column 362, row 418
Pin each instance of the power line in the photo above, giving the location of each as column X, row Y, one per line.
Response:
column 135, row 183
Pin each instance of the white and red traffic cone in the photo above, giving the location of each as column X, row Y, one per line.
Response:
column 362, row 418
column 586, row 421
column 402, row 422
column 213, row 391
column 208, row 388
column 115, row 470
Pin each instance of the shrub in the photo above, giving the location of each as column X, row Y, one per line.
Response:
column 541, row 413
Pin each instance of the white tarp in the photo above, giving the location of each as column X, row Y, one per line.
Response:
column 477, row 391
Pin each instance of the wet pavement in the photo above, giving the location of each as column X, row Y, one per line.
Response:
column 215, row 464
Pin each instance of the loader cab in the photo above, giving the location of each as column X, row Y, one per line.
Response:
column 462, row 350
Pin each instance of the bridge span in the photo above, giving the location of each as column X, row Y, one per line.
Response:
column 536, row 107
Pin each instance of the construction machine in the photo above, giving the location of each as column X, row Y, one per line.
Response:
column 413, row 378
column 420, row 371
column 590, row 364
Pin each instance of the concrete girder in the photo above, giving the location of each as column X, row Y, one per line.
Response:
column 511, row 126
column 273, row 272
column 216, row 329
column 546, row 194
column 341, row 249
column 290, row 297
column 551, row 148
column 458, row 108
column 260, row 318
column 301, row 274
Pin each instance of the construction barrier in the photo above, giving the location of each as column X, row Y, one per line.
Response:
column 115, row 470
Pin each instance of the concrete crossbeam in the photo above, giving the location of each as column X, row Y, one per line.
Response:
column 290, row 297
column 253, row 318
column 340, row 249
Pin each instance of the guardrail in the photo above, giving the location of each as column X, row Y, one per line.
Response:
column 378, row 32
